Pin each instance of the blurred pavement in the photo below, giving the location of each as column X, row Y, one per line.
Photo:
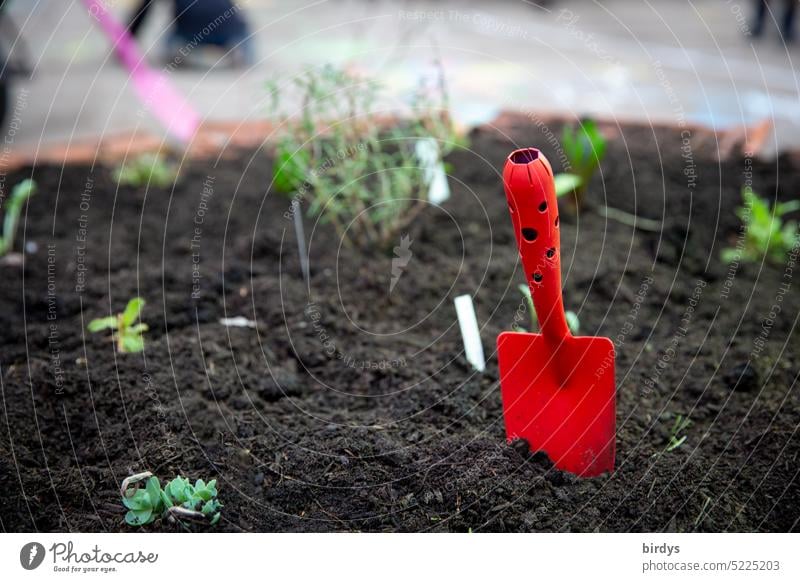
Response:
column 661, row 60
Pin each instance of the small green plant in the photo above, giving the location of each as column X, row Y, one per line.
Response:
column 126, row 332
column 19, row 194
column 566, row 183
column 676, row 436
column 573, row 322
column 146, row 170
column 338, row 154
column 585, row 148
column 178, row 499
column 765, row 232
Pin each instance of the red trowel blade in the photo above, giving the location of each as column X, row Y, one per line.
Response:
column 573, row 423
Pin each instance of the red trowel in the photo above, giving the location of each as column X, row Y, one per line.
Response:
column 558, row 389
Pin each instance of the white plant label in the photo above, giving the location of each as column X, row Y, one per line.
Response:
column 427, row 152
column 237, row 321
column 468, row 322
column 301, row 239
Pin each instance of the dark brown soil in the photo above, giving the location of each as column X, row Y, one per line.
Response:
column 353, row 408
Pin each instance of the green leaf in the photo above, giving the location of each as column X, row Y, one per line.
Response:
column 109, row 322
column 573, row 323
column 132, row 344
column 132, row 311
column 138, row 329
column 165, row 499
column 729, row 255
column 209, row 507
column 288, row 169
column 137, row 501
column 215, row 519
column 141, row 517
column 132, row 519
column 153, row 488
column 787, row 207
column 528, row 298
column 566, row 183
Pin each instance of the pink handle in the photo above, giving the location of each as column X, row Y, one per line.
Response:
column 124, row 44
column 152, row 87
column 530, row 191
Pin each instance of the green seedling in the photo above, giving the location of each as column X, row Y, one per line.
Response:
column 566, row 183
column 585, row 148
column 126, row 332
column 337, row 155
column 179, row 499
column 766, row 235
column 13, row 208
column 146, row 170
column 676, row 436
column 573, row 322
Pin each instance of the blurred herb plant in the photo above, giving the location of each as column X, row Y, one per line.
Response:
column 146, row 170
column 765, row 232
column 13, row 208
column 126, row 332
column 356, row 172
column 585, row 148
column 178, row 499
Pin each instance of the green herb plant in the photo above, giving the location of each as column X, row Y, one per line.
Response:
column 338, row 154
column 146, row 170
column 573, row 322
column 585, row 147
column 766, row 235
column 126, row 332
column 13, row 208
column 178, row 499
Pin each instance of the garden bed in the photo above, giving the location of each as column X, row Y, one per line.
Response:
column 353, row 408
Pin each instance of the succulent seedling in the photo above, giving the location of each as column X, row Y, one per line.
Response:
column 146, row 170
column 178, row 499
column 13, row 208
column 765, row 232
column 126, row 332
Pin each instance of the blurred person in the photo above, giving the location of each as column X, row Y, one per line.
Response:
column 203, row 22
column 787, row 22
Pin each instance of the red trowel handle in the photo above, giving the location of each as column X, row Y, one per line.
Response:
column 528, row 181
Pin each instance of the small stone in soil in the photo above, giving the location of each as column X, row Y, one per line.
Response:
column 560, row 478
column 521, row 447
column 742, row 377
column 561, row 495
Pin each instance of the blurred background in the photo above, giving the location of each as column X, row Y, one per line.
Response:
column 670, row 61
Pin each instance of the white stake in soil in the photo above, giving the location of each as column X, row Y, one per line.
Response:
column 427, row 151
column 473, row 348
column 301, row 239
